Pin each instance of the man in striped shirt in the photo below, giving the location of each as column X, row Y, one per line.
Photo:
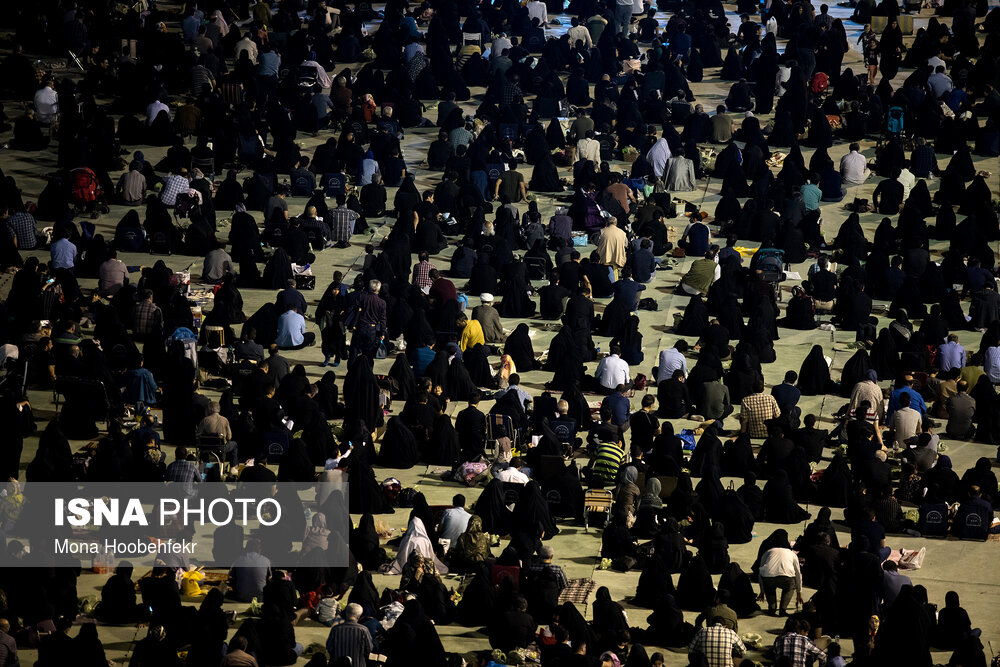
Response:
column 350, row 638
column 608, row 459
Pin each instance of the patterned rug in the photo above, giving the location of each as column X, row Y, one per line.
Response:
column 577, row 591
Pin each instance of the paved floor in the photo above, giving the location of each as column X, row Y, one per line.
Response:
column 950, row 565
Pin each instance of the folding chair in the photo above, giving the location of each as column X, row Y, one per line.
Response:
column 334, row 184
column 512, row 492
column 596, row 500
column 207, row 165
column 536, row 268
column 316, row 241
column 500, row 572
column 209, row 446
column 275, row 444
column 549, row 465
column 472, row 38
column 499, row 425
column 508, row 131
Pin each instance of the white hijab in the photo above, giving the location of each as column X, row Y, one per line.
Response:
column 221, row 22
column 658, row 156
column 416, row 539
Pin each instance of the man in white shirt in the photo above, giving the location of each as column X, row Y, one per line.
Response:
column 613, row 370
column 779, row 569
column 112, row 275
column 905, row 423
column 579, row 33
column 672, row 360
column 248, row 45
column 47, row 102
column 538, row 10
column 853, row 167
column 907, row 180
column 939, row 82
column 589, row 148
column 154, row 109
column 512, row 473
column 500, row 44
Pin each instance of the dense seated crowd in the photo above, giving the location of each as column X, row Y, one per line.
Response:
column 538, row 104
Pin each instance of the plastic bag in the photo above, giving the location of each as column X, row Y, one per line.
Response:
column 687, row 435
column 911, row 560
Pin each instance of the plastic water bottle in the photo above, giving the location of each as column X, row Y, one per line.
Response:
column 307, row 514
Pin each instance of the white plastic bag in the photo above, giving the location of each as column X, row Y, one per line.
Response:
column 911, row 560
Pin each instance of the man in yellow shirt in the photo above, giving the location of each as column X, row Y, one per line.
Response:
column 471, row 332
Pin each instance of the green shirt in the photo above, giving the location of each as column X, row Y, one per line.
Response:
column 701, row 275
column 607, row 461
column 811, row 194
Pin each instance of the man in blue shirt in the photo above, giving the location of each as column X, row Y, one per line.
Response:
column 787, row 394
column 63, row 253
column 292, row 334
column 991, row 364
column 916, row 400
column 291, row 298
column 619, row 405
column 190, row 25
column 977, row 276
column 422, row 356
column 455, row 520
column 514, row 385
column 268, row 66
column 627, row 289
column 696, row 239
column 957, row 99
column 249, row 573
column 951, row 355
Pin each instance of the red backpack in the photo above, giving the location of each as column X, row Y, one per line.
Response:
column 84, row 186
column 819, row 83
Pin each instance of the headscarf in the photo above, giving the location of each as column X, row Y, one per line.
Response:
column 416, row 540
column 651, row 496
column 472, row 546
column 221, row 22
column 317, row 535
column 518, row 346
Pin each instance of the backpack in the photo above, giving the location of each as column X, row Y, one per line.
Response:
column 84, row 186
column 895, row 122
column 406, row 497
column 819, row 83
column 186, row 202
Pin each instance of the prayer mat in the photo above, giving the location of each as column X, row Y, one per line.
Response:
column 577, row 591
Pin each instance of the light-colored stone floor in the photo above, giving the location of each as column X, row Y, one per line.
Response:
column 950, row 565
